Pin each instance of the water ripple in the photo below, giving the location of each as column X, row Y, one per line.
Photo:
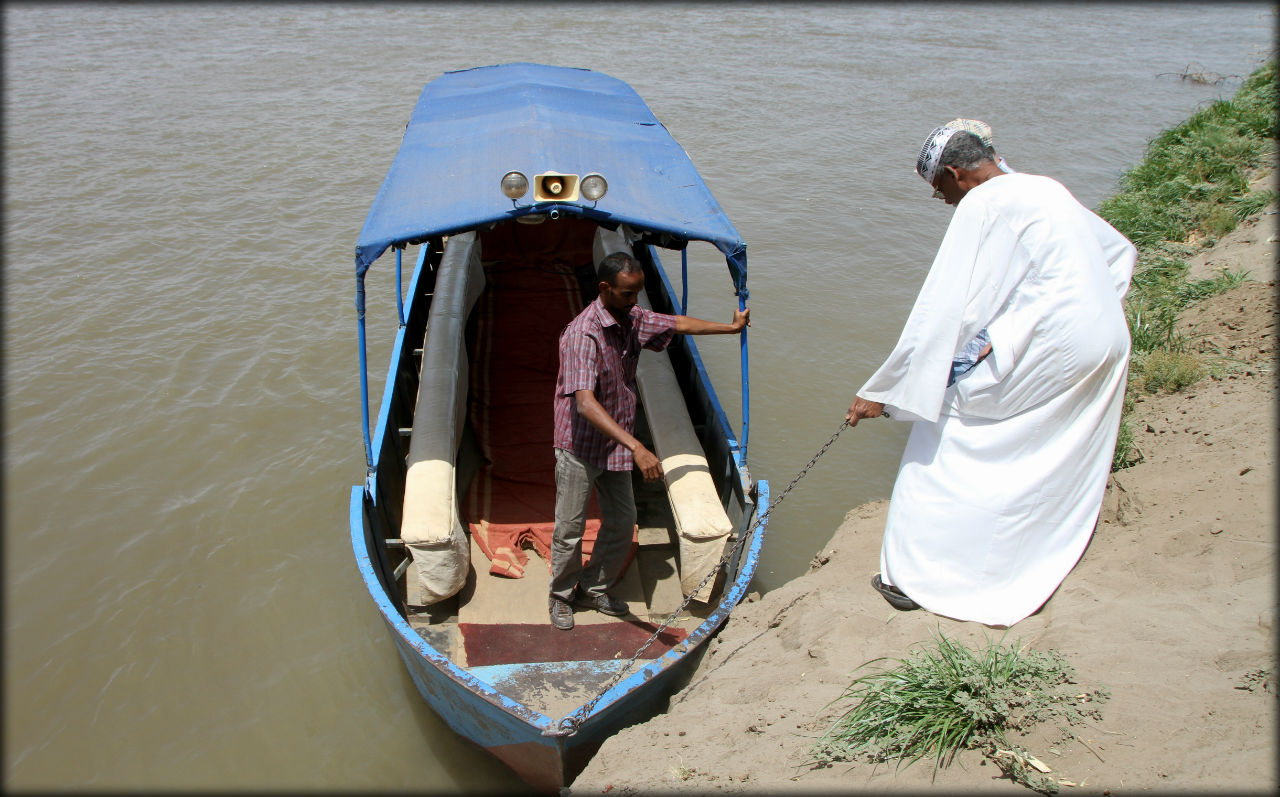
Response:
column 184, row 185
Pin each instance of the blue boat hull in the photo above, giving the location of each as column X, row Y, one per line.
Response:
column 526, row 740
column 435, row 190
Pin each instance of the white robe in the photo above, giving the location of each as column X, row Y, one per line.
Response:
column 1002, row 477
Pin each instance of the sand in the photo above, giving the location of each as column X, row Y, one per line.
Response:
column 1171, row 609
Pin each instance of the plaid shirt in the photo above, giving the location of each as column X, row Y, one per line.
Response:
column 599, row 354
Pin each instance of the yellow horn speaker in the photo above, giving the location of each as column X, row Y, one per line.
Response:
column 555, row 187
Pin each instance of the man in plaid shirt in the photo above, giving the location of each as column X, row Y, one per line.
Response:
column 595, row 412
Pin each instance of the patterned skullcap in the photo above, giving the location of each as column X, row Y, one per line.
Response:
column 931, row 152
column 980, row 129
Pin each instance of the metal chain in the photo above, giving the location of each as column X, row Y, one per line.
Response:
column 570, row 723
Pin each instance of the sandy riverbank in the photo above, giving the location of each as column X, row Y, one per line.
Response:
column 1171, row 608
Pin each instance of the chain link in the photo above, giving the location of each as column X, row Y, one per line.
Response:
column 570, row 723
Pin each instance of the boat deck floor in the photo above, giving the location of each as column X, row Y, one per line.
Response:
column 498, row 628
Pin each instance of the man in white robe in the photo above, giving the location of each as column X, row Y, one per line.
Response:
column 1003, row 473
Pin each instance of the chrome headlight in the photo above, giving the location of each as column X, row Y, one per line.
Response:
column 593, row 186
column 514, row 185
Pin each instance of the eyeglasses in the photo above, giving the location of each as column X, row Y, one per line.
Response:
column 937, row 192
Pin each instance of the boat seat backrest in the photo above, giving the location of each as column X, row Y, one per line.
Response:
column 430, row 497
column 690, row 488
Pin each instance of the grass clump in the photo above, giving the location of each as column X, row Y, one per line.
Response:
column 1170, row 371
column 1159, row 292
column 941, row 700
column 1249, row 204
column 1192, row 170
column 1191, row 188
column 1125, row 454
column 1161, row 360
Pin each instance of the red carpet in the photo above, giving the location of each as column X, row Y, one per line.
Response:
column 520, row 643
column 531, row 293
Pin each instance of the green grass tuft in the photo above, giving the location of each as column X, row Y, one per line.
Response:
column 1170, row 371
column 1152, row 327
column 1125, row 455
column 1245, row 206
column 1191, row 188
column 941, row 700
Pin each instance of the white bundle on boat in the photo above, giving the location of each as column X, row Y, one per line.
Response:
column 701, row 523
column 430, row 527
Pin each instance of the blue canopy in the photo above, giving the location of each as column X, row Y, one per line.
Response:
column 471, row 127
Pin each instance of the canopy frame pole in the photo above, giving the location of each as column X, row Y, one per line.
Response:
column 746, row 376
column 684, row 279
column 364, row 375
column 399, row 297
column 424, row 251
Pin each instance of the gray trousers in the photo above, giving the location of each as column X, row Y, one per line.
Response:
column 574, row 479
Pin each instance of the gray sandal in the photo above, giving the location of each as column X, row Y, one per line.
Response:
column 893, row 595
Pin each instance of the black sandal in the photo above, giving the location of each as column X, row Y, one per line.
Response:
column 893, row 595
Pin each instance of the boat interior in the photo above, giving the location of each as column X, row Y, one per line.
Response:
column 536, row 278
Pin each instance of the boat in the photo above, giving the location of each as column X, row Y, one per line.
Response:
column 510, row 183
